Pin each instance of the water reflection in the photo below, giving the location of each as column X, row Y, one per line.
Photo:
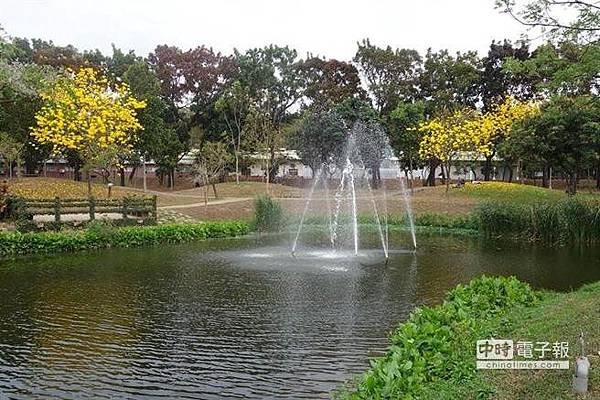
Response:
column 236, row 318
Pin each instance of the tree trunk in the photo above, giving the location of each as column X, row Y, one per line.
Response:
column 237, row 168
column 487, row 169
column 121, row 176
column 205, row 187
column 447, row 176
column 431, row 176
column 88, row 177
column 267, row 174
column 144, row 177
column 545, row 175
column 510, row 174
column 598, row 175
column 443, row 175
column 572, row 183
column 376, row 177
column 132, row 174
column 214, row 189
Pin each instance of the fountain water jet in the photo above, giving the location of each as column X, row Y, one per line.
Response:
column 366, row 148
column 312, row 190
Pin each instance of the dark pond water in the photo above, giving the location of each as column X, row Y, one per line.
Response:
column 231, row 319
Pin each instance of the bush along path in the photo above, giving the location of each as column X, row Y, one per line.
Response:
column 432, row 354
column 100, row 235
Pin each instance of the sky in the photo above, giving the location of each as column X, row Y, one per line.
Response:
column 329, row 28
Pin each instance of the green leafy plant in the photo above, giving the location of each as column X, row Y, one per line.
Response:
column 101, row 235
column 268, row 215
column 436, row 343
column 571, row 220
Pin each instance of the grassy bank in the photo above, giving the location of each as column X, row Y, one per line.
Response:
column 572, row 220
column 558, row 317
column 103, row 236
column 432, row 354
column 436, row 344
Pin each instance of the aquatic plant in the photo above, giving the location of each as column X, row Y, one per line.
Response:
column 268, row 215
column 437, row 343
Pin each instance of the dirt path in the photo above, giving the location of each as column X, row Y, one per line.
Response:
column 203, row 204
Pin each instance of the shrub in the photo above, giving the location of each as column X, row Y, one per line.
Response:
column 102, row 235
column 437, row 343
column 268, row 215
column 497, row 218
column 571, row 220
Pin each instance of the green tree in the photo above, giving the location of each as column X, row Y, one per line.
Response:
column 209, row 164
column 564, row 68
column 565, row 135
column 10, row 150
column 20, row 87
column 157, row 138
column 450, row 82
column 391, row 75
column 320, row 138
column 263, row 136
column 405, row 135
column 234, row 106
column 274, row 84
column 365, row 125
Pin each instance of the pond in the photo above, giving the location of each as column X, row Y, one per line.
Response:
column 235, row 318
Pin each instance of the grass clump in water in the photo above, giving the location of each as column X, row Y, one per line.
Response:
column 571, row 220
column 268, row 215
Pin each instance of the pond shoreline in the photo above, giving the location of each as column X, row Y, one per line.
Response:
column 16, row 244
column 102, row 236
column 432, row 353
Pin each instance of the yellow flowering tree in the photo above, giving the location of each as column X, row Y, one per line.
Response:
column 83, row 113
column 446, row 137
column 495, row 125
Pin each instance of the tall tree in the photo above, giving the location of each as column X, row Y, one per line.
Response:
column 496, row 82
column 391, row 75
column 329, row 82
column 449, row 82
column 157, row 138
column 565, row 135
column 271, row 77
column 494, row 126
column 86, row 115
column 405, row 135
column 191, row 83
column 448, row 136
column 20, row 84
column 234, row 106
column 320, row 138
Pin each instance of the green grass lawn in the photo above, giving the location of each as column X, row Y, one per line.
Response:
column 559, row 317
column 510, row 192
column 432, row 354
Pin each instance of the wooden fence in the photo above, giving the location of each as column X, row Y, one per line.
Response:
column 128, row 207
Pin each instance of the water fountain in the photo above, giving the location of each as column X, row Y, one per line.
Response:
column 357, row 194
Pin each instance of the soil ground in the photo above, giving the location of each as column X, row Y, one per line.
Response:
column 236, row 201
